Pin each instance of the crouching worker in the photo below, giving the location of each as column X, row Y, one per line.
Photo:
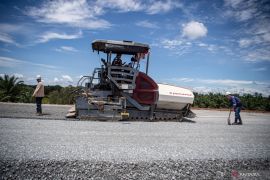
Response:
column 236, row 104
column 39, row 94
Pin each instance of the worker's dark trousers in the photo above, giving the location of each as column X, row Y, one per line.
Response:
column 237, row 114
column 38, row 102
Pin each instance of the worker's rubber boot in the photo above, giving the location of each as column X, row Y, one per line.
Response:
column 240, row 121
column 235, row 122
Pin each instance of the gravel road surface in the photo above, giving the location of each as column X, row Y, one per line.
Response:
column 21, row 110
column 205, row 148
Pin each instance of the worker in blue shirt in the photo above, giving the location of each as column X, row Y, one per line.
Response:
column 236, row 104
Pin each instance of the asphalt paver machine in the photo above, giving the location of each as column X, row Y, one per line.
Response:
column 120, row 91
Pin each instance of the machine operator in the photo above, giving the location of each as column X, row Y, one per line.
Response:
column 117, row 60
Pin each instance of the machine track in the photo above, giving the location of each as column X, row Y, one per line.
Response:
column 158, row 115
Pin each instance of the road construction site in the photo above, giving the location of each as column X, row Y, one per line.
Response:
column 205, row 147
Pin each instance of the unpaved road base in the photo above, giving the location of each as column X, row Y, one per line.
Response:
column 204, row 148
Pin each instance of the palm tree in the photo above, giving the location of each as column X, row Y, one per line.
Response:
column 9, row 88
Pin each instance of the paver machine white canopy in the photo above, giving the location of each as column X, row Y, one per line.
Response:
column 120, row 91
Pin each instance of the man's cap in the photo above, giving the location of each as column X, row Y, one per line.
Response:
column 38, row 77
column 228, row 93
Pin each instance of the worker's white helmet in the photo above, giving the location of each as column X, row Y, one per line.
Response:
column 38, row 77
column 228, row 93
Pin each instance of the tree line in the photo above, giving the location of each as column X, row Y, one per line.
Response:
column 218, row 100
column 14, row 90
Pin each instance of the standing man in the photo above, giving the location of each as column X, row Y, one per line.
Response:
column 236, row 104
column 39, row 94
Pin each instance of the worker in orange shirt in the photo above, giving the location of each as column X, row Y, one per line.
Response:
column 39, row 94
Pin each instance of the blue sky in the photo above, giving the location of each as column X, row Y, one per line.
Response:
column 206, row 46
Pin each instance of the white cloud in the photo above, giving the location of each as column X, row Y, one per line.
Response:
column 245, row 14
column 147, row 24
column 233, row 3
column 228, row 82
column 79, row 77
column 204, row 90
column 266, row 36
column 260, row 32
column 66, row 49
column 241, row 10
column 56, row 80
column 235, row 90
column 162, row 7
column 213, row 48
column 245, row 42
column 7, row 28
column 19, row 28
column 171, row 44
column 86, row 14
column 260, row 69
column 223, row 85
column 95, row 24
column 64, row 80
column 202, row 45
column 121, row 5
column 258, row 55
column 176, row 46
column 52, row 35
column 67, row 78
column 11, row 62
column 183, row 79
column 182, row 46
column 150, row 6
column 254, row 34
column 18, row 75
column 74, row 13
column 20, row 34
column 194, row 30
column 6, row 50
column 7, row 39
column 258, row 28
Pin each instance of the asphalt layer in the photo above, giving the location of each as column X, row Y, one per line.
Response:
column 27, row 111
column 204, row 148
